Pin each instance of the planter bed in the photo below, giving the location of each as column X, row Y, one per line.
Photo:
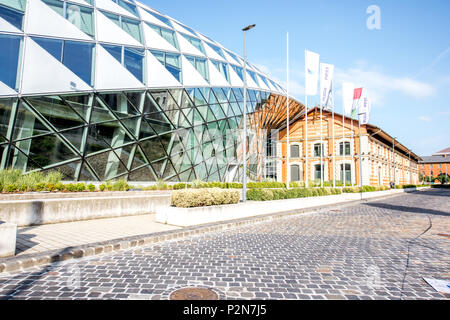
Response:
column 185, row 217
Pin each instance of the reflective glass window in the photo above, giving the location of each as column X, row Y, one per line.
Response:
column 134, row 62
column 253, row 75
column 239, row 71
column 113, row 17
column 200, row 65
column 53, row 46
column 160, row 18
column 195, row 42
column 78, row 58
column 171, row 61
column 216, row 49
column 265, row 81
column 115, row 51
column 56, row 5
column 127, row 6
column 9, row 59
column 13, row 16
column 167, row 34
column 133, row 28
column 222, row 67
column 234, row 56
column 15, row 4
column 82, row 17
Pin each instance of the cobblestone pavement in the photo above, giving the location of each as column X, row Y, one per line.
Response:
column 366, row 251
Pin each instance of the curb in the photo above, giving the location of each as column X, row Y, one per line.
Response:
column 17, row 264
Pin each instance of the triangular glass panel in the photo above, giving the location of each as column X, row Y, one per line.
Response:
column 139, row 158
column 125, row 154
column 200, row 171
column 27, row 124
column 132, row 124
column 158, row 167
column 55, row 111
column 74, row 136
column 212, row 97
column 184, row 176
column 214, row 176
column 177, row 97
column 150, row 105
column 46, row 150
column 107, row 165
column 146, row 130
column 220, row 95
column 100, row 113
column 183, row 121
column 119, row 104
column 67, row 170
column 217, row 110
column 86, row 174
column 186, row 101
column 203, row 111
column 160, row 97
column 79, row 103
column 18, row 160
column 196, row 118
column 142, row 174
column 197, row 96
column 80, row 16
column 153, row 149
column 211, row 115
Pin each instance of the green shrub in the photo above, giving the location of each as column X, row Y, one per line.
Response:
column 102, row 187
column 120, row 185
column 205, row 197
column 91, row 187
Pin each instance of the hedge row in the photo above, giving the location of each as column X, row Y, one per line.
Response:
column 204, row 197
column 281, row 194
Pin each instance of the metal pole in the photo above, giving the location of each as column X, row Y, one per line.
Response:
column 244, row 180
column 288, row 148
column 244, row 147
column 393, row 160
column 332, row 148
column 360, row 152
column 306, row 141
column 343, row 145
column 306, row 137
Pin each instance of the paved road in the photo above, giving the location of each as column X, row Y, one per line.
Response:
column 366, row 251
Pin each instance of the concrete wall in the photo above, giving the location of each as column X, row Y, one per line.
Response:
column 46, row 211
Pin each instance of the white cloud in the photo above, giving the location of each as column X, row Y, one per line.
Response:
column 379, row 84
column 425, row 119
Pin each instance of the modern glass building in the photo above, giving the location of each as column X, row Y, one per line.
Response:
column 105, row 89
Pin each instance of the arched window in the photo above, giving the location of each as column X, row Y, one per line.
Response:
column 295, row 151
column 318, row 149
column 318, row 172
column 347, row 170
column 296, row 173
column 344, row 147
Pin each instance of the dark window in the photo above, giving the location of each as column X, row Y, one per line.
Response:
column 344, row 146
column 317, row 150
column 295, row 151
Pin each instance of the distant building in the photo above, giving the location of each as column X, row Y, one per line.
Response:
column 435, row 165
column 378, row 151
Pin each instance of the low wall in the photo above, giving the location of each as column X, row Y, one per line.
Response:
column 185, row 217
column 8, row 235
column 46, row 211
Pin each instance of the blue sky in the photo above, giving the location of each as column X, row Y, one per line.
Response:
column 405, row 65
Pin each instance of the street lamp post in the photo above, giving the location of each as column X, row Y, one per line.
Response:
column 244, row 143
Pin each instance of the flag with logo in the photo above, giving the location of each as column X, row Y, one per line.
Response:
column 326, row 85
column 356, row 100
column 364, row 107
column 311, row 72
column 348, row 90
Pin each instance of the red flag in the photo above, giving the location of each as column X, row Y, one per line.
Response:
column 357, row 94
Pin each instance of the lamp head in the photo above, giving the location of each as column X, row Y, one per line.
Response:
column 249, row 27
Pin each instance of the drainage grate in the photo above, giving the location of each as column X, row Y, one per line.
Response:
column 194, row 294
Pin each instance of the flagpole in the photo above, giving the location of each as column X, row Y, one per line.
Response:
column 351, row 140
column 343, row 143
column 334, row 153
column 288, row 148
column 306, row 133
column 321, row 148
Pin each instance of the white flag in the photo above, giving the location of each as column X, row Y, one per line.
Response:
column 348, row 89
column 364, row 107
column 311, row 72
column 326, row 80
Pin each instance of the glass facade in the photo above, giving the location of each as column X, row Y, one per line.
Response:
column 172, row 134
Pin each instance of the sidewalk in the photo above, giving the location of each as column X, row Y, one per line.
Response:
column 37, row 239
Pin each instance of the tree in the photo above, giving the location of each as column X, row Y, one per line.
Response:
column 443, row 178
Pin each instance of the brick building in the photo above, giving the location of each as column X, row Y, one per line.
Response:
column 379, row 150
column 435, row 165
